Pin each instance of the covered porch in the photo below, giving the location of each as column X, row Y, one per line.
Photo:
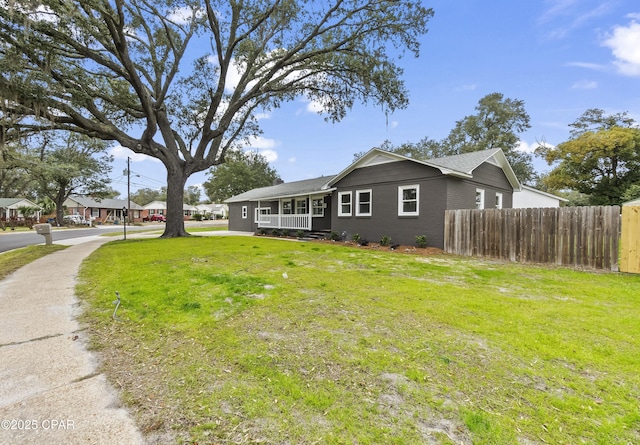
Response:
column 308, row 212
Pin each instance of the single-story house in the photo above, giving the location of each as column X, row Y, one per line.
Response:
column 529, row 197
column 218, row 211
column 382, row 194
column 10, row 208
column 102, row 210
column 160, row 208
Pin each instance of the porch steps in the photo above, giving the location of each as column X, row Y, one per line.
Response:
column 318, row 234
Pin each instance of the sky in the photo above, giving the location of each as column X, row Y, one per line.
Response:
column 561, row 57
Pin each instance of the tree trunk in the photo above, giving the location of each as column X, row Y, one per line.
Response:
column 176, row 180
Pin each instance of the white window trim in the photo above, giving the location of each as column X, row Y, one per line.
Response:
column 340, row 212
column 498, row 200
column 262, row 211
column 480, row 205
column 245, row 212
column 401, row 201
column 358, row 193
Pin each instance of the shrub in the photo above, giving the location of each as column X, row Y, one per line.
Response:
column 276, row 232
column 334, row 236
column 285, row 232
column 385, row 241
column 421, row 241
column 262, row 231
column 300, row 233
column 355, row 238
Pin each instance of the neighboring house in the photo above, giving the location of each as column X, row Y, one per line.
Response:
column 10, row 208
column 218, row 211
column 160, row 208
column 529, row 197
column 634, row 203
column 382, row 194
column 102, row 210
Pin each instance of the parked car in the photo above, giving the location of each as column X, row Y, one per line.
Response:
column 157, row 217
column 76, row 219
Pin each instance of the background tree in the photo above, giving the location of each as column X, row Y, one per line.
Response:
column 192, row 195
column 497, row 124
column 119, row 70
column 145, row 196
column 241, row 172
column 73, row 165
column 602, row 164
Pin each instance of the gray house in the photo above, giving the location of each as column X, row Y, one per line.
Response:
column 382, row 194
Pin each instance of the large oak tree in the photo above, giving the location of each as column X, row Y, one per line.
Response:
column 180, row 81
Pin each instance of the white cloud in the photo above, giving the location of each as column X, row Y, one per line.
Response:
column 183, row 15
column 270, row 155
column 530, row 148
column 585, row 85
column 587, row 65
column 120, row 152
column 260, row 143
column 394, row 124
column 625, row 45
column 292, row 160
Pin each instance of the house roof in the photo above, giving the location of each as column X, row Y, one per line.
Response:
column 461, row 165
column 6, row 203
column 87, row 202
column 286, row 189
column 540, row 192
column 634, row 203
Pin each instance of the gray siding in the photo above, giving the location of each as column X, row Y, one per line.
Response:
column 384, row 180
column 437, row 194
column 236, row 222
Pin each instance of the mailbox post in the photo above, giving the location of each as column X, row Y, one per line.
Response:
column 44, row 230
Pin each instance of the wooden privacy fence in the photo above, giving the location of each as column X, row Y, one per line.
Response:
column 569, row 236
column 630, row 239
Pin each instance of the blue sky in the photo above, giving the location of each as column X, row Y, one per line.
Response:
column 561, row 57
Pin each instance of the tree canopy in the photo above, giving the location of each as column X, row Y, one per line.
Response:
column 181, row 81
column 601, row 159
column 241, row 172
column 496, row 124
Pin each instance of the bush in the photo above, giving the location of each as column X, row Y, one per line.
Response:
column 355, row 238
column 421, row 241
column 334, row 236
column 285, row 232
column 262, row 231
column 276, row 232
column 300, row 233
column 385, row 241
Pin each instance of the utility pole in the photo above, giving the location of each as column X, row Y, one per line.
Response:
column 129, row 188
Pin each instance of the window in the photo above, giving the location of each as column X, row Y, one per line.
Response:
column 344, row 199
column 287, row 209
column 262, row 211
column 479, row 199
column 95, row 212
column 301, row 206
column 244, row 212
column 408, row 196
column 317, row 207
column 498, row 200
column 363, row 203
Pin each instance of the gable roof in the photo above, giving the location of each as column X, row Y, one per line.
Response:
column 286, row 189
column 461, row 165
column 6, row 203
column 87, row 202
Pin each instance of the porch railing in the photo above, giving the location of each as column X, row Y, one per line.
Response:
column 277, row 221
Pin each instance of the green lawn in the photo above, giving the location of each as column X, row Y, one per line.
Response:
column 244, row 340
column 15, row 259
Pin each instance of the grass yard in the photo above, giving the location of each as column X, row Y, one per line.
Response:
column 15, row 259
column 227, row 340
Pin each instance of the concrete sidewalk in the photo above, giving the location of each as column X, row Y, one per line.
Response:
column 50, row 389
